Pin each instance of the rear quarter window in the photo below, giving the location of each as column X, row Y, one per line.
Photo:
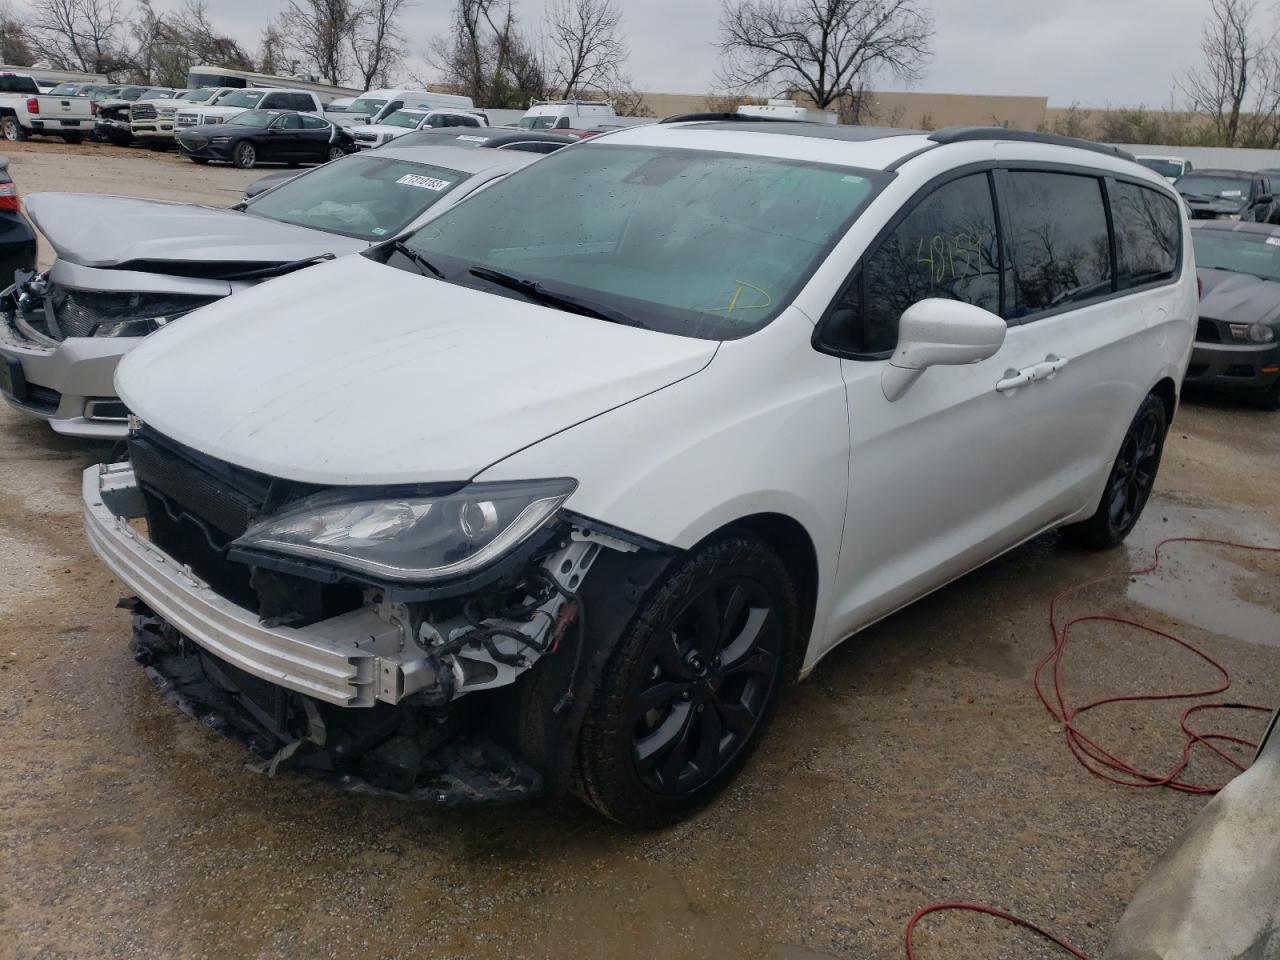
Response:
column 1148, row 232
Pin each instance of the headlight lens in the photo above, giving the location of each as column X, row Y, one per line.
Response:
column 1261, row 333
column 139, row 327
column 411, row 538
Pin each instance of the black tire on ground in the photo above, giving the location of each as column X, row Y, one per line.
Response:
column 159, row 146
column 200, row 160
column 692, row 685
column 73, row 137
column 12, row 129
column 1132, row 477
column 336, row 153
column 245, row 155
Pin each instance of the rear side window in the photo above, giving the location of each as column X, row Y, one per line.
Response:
column 1059, row 244
column 1148, row 234
column 946, row 247
column 312, row 123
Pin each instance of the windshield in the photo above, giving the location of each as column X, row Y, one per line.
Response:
column 1214, row 188
column 367, row 105
column 1252, row 253
column 201, row 95
column 361, row 196
column 241, row 98
column 253, row 118
column 64, row 90
column 696, row 243
column 155, row 93
column 538, row 123
column 1166, row 168
column 403, row 118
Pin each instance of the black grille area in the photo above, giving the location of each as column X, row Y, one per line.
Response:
column 1239, row 370
column 1207, row 332
column 42, row 399
column 1195, row 370
column 144, row 111
column 196, row 506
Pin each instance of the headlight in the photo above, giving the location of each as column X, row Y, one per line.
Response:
column 411, row 538
column 129, row 328
column 1261, row 333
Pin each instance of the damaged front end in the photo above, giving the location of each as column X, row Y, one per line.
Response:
column 292, row 619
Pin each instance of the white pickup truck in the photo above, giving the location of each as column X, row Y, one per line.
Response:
column 254, row 98
column 24, row 111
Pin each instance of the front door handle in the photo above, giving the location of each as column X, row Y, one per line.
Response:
column 1014, row 379
column 1048, row 369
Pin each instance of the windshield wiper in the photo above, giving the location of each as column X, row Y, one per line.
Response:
column 535, row 291
column 422, row 263
column 279, row 269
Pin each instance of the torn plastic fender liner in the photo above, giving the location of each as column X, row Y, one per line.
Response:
column 618, row 584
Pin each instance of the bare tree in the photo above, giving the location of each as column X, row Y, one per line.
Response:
column 584, row 47
column 376, row 43
column 1230, row 48
column 167, row 46
column 81, row 35
column 14, row 47
column 272, row 57
column 486, row 57
column 826, row 49
column 319, row 32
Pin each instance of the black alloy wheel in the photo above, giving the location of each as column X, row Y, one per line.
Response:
column 1130, row 483
column 691, row 686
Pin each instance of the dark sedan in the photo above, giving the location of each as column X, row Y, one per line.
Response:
column 1237, row 344
column 1229, row 195
column 17, row 238
column 267, row 136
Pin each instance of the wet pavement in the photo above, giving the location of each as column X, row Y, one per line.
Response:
column 914, row 765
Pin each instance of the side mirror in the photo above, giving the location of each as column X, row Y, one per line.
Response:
column 940, row 333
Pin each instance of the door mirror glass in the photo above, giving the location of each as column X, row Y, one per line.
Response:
column 938, row 332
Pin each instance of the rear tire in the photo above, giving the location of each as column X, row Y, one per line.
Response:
column 336, row 153
column 73, row 137
column 1130, row 482
column 245, row 155
column 692, row 685
column 12, row 130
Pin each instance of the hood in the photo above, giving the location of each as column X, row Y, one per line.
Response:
column 354, row 372
column 102, row 231
column 379, row 128
column 1238, row 297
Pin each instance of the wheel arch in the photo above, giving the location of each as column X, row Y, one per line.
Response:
column 1167, row 392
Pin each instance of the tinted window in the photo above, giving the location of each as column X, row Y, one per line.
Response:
column 311, row 123
column 10, row 83
column 468, row 122
column 290, row 121
column 947, row 247
column 1148, row 230
column 253, row 118
column 701, row 244
column 1252, row 253
column 1059, row 246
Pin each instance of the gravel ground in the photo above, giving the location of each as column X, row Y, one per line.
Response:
column 914, row 765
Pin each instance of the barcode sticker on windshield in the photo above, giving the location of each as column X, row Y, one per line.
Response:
column 1232, row 193
column 427, row 183
column 1273, row 241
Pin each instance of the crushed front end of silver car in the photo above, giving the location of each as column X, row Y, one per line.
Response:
column 375, row 683
column 62, row 333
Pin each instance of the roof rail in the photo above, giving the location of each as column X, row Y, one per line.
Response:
column 731, row 117
column 965, row 134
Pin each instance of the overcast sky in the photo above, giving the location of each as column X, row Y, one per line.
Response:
column 1097, row 52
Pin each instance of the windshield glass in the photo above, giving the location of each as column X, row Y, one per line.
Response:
column 253, row 118
column 156, row 93
column 403, row 118
column 361, row 196
column 538, row 123
column 200, row 96
column 1214, row 188
column 367, row 105
column 691, row 242
column 1166, row 168
column 1239, row 252
column 64, row 90
column 241, row 98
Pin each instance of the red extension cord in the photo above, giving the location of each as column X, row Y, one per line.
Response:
column 1095, row 758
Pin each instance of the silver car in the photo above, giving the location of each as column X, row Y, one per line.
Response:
column 127, row 267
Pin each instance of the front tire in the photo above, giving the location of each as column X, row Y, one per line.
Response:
column 245, row 155
column 336, row 153
column 1131, row 480
column 1269, row 397
column 12, row 130
column 692, row 685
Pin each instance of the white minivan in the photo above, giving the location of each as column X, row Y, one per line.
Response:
column 554, row 494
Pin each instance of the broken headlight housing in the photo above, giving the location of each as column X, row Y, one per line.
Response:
column 411, row 538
